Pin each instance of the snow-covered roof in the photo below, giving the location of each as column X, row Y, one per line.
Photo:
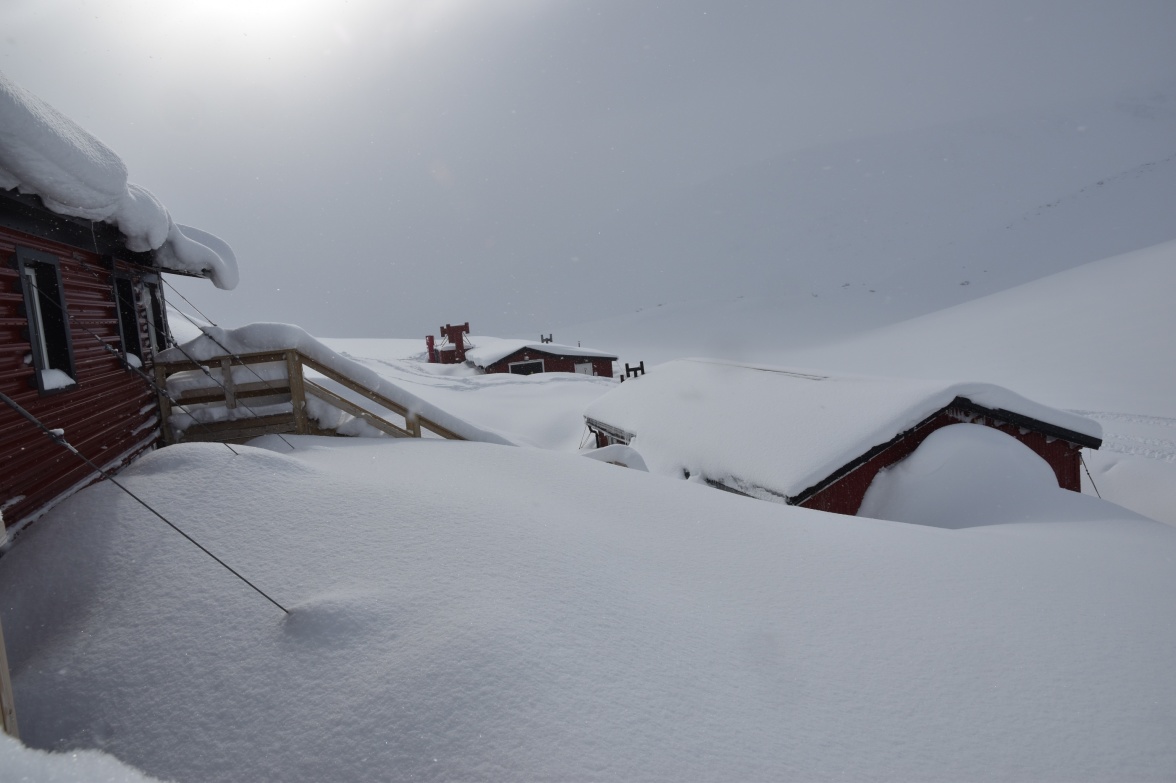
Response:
column 488, row 350
column 784, row 430
column 45, row 153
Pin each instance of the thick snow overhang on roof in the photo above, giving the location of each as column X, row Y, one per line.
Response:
column 787, row 431
column 43, row 152
column 488, row 350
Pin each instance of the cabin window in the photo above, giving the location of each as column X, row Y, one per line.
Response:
column 527, row 368
column 156, row 321
column 128, row 320
column 44, row 300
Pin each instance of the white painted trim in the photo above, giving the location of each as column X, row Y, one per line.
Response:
column 542, row 366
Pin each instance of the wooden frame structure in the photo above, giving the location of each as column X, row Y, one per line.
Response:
column 291, row 386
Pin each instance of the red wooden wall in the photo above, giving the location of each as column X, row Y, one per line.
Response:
column 112, row 414
column 552, row 362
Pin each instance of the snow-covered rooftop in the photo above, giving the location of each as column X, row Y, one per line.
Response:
column 779, row 429
column 45, row 153
column 487, row 350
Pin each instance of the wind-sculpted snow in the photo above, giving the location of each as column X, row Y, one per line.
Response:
column 461, row 611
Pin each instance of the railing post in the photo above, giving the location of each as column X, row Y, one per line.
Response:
column 414, row 424
column 7, row 708
column 227, row 382
column 165, row 408
column 297, row 392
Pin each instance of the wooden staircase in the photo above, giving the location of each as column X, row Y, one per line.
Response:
column 266, row 393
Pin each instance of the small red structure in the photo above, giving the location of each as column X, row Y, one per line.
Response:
column 454, row 350
column 530, row 359
column 519, row 357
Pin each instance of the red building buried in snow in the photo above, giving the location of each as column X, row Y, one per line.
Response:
column 811, row 439
column 521, row 357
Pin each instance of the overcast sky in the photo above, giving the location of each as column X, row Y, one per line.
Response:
column 382, row 167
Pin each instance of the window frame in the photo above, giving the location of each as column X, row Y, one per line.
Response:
column 522, row 363
column 135, row 340
column 155, row 308
column 59, row 356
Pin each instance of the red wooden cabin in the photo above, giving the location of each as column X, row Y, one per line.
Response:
column 525, row 358
column 81, row 318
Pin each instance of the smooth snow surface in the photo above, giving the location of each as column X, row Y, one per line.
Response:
column 773, row 431
column 462, row 611
column 44, row 152
column 967, row 475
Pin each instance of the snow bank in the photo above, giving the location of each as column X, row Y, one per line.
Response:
column 617, row 454
column 255, row 338
column 80, row 766
column 467, row 612
column 45, row 153
column 968, row 475
column 778, row 429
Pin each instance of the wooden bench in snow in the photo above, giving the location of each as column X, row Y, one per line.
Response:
column 811, row 439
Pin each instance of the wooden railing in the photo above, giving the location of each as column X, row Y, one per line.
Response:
column 273, row 379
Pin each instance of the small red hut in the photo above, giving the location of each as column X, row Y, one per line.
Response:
column 525, row 358
column 519, row 357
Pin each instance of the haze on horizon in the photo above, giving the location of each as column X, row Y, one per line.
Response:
column 382, row 168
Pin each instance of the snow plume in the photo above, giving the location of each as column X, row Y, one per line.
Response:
column 43, row 152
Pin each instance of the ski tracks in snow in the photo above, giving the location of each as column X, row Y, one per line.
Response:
column 1136, row 434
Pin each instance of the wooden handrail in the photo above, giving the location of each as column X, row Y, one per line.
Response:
column 296, row 385
column 380, row 399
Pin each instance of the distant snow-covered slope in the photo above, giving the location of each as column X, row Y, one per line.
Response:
column 886, row 228
column 1099, row 337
